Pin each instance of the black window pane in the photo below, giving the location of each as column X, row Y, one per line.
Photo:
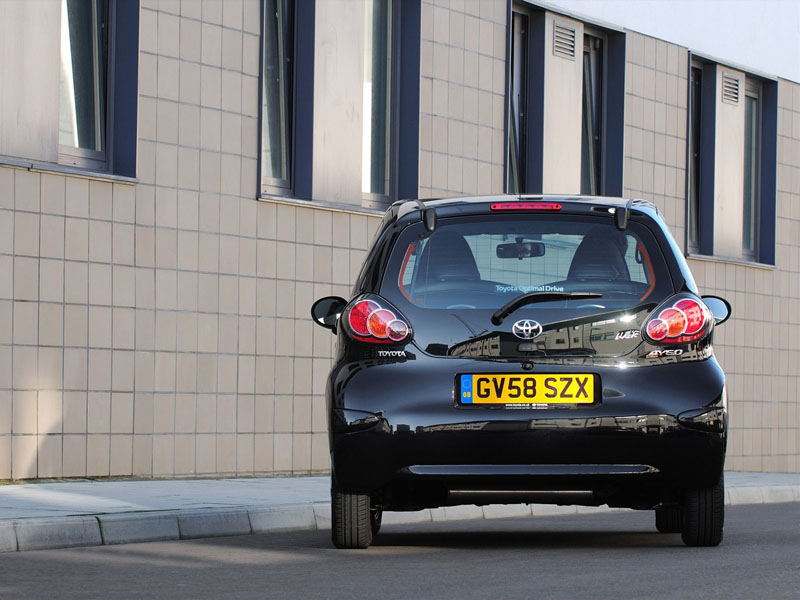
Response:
column 694, row 150
column 84, row 55
column 592, row 114
column 518, row 102
column 750, row 172
column 377, row 94
column 276, row 117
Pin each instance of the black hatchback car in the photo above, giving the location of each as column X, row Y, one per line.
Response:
column 525, row 350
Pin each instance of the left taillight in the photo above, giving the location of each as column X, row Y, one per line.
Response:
column 373, row 320
column 680, row 320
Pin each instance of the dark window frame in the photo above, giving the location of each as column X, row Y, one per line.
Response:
column 299, row 104
column 752, row 89
column 86, row 158
column 403, row 107
column 701, row 168
column 122, row 99
column 516, row 182
column 694, row 140
column 766, row 171
column 288, row 23
column 596, row 155
column 612, row 109
column 376, row 199
column 612, row 117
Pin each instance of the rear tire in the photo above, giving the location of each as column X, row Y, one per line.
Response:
column 704, row 516
column 668, row 519
column 351, row 525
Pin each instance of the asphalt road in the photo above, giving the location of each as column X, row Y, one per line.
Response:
column 610, row 555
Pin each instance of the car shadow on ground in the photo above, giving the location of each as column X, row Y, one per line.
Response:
column 527, row 539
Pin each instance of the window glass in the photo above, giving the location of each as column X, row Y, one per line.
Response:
column 695, row 141
column 277, row 78
column 83, row 80
column 707, row 210
column 518, row 102
column 485, row 263
column 377, row 94
column 592, row 114
column 750, row 173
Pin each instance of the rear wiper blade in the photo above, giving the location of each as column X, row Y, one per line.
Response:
column 533, row 297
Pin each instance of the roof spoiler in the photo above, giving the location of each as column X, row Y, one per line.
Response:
column 427, row 215
column 622, row 215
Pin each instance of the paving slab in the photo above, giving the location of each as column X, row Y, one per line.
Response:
column 85, row 497
column 745, row 495
column 542, row 510
column 405, row 517
column 457, row 513
column 505, row 511
column 322, row 515
column 278, row 518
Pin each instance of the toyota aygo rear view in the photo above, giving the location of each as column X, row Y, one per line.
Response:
column 525, row 350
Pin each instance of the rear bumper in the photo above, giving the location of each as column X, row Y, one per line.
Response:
column 621, row 461
column 395, row 426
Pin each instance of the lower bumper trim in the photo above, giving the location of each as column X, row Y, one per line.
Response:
column 540, row 470
column 584, row 497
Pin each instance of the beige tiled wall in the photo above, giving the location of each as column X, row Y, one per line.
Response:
column 656, row 96
column 759, row 348
column 162, row 328
column 152, row 331
column 462, row 97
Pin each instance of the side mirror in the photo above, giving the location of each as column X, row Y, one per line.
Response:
column 719, row 307
column 326, row 311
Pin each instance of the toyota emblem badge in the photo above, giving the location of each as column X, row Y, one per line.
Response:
column 526, row 329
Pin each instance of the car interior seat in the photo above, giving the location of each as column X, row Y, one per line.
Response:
column 600, row 255
column 447, row 257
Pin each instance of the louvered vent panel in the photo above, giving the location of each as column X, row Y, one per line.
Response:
column 730, row 89
column 563, row 41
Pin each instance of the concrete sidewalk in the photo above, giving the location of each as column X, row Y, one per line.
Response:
column 35, row 516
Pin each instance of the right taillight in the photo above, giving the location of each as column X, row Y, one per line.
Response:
column 685, row 319
column 373, row 320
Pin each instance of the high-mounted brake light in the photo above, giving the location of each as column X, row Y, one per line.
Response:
column 686, row 320
column 526, row 206
column 370, row 320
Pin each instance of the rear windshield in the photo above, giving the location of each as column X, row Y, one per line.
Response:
column 482, row 263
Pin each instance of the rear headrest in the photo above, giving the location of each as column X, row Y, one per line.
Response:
column 448, row 257
column 600, row 255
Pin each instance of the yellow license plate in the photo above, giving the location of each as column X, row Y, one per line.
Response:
column 571, row 388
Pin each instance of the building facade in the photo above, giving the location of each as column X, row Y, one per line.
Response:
column 180, row 179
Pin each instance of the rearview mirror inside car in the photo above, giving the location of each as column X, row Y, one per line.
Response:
column 326, row 311
column 520, row 250
column 719, row 307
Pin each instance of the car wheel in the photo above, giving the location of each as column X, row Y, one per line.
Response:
column 375, row 518
column 351, row 525
column 668, row 519
column 704, row 516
